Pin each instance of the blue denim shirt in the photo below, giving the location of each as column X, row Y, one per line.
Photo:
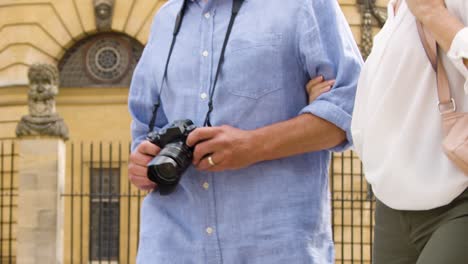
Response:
column 274, row 211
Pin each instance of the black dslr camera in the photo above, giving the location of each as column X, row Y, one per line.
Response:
column 175, row 156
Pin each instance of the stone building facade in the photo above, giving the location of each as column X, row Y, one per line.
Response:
column 44, row 31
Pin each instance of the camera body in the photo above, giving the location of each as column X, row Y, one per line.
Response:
column 167, row 168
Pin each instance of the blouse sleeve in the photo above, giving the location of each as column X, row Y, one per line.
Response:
column 459, row 51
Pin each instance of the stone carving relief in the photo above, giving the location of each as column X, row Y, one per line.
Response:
column 42, row 119
column 103, row 12
column 369, row 11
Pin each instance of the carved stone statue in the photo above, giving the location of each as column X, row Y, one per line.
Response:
column 42, row 119
column 369, row 10
column 103, row 12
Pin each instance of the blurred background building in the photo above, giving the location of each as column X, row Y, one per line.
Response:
column 96, row 44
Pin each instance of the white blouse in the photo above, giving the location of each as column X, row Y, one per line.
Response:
column 396, row 125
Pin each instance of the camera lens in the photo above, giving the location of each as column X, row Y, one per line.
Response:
column 167, row 167
column 163, row 168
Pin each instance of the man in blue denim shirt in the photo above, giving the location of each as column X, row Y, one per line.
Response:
column 266, row 198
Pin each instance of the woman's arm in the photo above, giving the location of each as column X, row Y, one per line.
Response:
column 318, row 86
column 438, row 19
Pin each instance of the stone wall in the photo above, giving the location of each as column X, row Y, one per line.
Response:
column 42, row 30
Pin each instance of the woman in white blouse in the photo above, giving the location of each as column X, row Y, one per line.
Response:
column 422, row 207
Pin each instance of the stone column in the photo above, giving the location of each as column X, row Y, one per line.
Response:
column 41, row 171
column 40, row 207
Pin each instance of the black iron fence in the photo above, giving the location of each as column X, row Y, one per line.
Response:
column 8, row 201
column 353, row 207
column 102, row 208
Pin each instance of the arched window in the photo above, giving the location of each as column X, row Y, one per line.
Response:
column 101, row 60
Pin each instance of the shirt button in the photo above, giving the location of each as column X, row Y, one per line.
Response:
column 206, row 186
column 203, row 96
column 205, row 53
column 207, row 15
column 209, row 230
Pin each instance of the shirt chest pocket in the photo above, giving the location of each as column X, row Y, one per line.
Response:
column 254, row 64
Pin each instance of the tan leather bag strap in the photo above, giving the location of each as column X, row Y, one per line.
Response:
column 446, row 102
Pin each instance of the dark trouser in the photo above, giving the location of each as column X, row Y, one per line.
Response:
column 437, row 236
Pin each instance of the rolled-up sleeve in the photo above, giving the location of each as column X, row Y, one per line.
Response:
column 327, row 48
column 143, row 95
column 458, row 52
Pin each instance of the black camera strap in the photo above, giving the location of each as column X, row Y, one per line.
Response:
column 236, row 5
column 177, row 26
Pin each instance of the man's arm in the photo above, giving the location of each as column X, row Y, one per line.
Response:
column 325, row 46
column 233, row 148
column 437, row 18
column 143, row 91
column 305, row 133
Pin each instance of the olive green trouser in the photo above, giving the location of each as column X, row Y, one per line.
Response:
column 437, row 236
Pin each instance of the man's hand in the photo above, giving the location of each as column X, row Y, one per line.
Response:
column 229, row 148
column 137, row 166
